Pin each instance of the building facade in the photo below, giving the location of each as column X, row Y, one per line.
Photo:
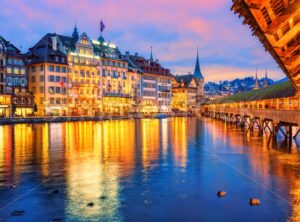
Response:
column 154, row 90
column 48, row 73
column 15, row 99
column 81, row 76
column 188, row 91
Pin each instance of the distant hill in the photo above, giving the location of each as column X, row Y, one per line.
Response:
column 282, row 80
column 235, row 86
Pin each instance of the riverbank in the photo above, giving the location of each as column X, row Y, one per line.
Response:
column 58, row 119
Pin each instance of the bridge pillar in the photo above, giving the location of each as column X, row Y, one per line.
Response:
column 260, row 123
column 289, row 133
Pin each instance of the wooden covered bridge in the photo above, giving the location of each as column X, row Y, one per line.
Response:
column 277, row 25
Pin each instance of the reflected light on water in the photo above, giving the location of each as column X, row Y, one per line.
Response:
column 117, row 166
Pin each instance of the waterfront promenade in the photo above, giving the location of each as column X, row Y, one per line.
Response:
column 57, row 119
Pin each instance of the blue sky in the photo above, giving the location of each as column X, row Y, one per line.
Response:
column 174, row 28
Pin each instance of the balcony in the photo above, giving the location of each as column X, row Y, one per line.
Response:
column 114, row 94
column 165, row 90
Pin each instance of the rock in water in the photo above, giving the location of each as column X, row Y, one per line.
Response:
column 221, row 193
column 103, row 197
column 254, row 202
column 90, row 204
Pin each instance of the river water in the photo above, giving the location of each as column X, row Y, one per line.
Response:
column 145, row 170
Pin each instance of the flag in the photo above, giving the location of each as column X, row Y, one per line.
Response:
column 102, row 26
column 62, row 84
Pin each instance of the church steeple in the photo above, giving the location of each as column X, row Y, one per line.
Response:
column 256, row 86
column 151, row 56
column 197, row 72
column 266, row 84
column 75, row 34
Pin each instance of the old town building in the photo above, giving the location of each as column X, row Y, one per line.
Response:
column 155, row 84
column 188, row 90
column 83, row 76
column 15, row 99
column 48, row 72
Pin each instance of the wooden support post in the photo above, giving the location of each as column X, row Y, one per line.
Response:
column 251, row 123
column 289, row 133
column 261, row 125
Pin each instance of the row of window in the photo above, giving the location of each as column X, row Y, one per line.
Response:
column 164, row 103
column 164, row 88
column 51, row 90
column 15, row 70
column 149, row 78
column 149, row 93
column 52, row 78
column 164, row 95
column 62, row 69
column 149, row 85
column 57, row 101
column 84, row 73
column 16, row 81
column 114, row 74
column 57, row 90
column 12, row 61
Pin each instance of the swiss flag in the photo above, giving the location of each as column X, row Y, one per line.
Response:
column 62, row 84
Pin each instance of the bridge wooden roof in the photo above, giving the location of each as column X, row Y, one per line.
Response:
column 277, row 25
column 281, row 90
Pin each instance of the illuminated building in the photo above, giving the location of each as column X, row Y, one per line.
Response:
column 87, row 77
column 117, row 83
column 188, row 90
column 84, row 78
column 154, row 91
column 15, row 99
column 48, row 71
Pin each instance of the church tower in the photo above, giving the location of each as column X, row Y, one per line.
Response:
column 199, row 80
column 256, row 86
column 75, row 34
column 266, row 84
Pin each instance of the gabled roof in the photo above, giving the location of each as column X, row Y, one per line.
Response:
column 43, row 51
column 8, row 47
column 186, row 79
column 146, row 66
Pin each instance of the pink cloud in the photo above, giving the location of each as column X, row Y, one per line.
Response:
column 207, row 23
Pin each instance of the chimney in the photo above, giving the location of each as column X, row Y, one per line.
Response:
column 54, row 42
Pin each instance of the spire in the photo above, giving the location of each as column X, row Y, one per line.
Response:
column 256, row 86
column 75, row 34
column 266, row 84
column 151, row 56
column 197, row 72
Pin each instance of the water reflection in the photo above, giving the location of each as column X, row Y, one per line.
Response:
column 125, row 167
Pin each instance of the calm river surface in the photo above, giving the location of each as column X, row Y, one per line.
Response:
column 145, row 170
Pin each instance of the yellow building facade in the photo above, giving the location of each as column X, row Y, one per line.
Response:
column 184, row 92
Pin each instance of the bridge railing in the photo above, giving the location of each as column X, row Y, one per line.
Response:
column 289, row 116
